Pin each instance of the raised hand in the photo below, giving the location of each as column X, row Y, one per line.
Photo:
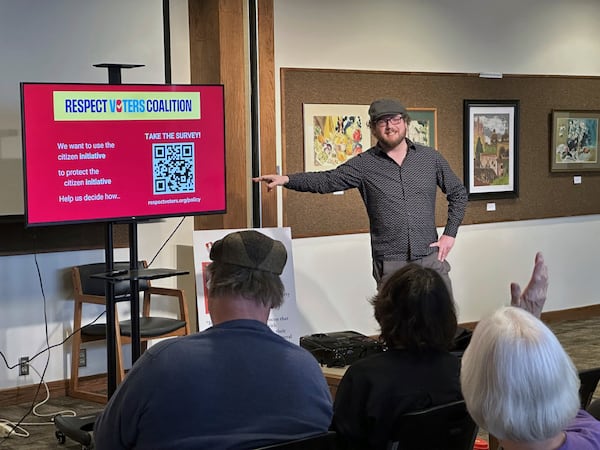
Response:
column 533, row 298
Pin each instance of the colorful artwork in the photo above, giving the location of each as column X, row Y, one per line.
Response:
column 491, row 148
column 574, row 146
column 491, row 141
column 333, row 134
column 423, row 126
column 576, row 141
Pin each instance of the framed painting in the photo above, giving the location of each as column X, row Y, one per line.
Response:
column 574, row 146
column 333, row 134
column 423, row 126
column 491, row 148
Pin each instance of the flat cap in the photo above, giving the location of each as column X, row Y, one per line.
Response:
column 250, row 249
column 385, row 107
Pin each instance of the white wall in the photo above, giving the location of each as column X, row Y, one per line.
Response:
column 59, row 41
column 510, row 36
column 464, row 36
column 333, row 281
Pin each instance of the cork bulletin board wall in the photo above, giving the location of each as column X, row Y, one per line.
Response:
column 542, row 194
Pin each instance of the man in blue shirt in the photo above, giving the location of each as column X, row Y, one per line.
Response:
column 236, row 385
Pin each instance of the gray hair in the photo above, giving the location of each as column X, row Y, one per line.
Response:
column 518, row 382
column 264, row 288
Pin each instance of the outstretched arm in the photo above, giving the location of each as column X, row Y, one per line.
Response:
column 272, row 180
column 533, row 298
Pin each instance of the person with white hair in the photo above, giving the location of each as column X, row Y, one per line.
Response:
column 520, row 385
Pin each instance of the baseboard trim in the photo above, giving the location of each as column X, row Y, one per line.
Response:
column 33, row 393
column 583, row 312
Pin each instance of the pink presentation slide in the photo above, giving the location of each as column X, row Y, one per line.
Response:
column 95, row 152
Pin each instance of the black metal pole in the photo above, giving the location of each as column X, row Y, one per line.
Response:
column 167, row 39
column 254, row 114
column 136, row 348
column 114, row 77
column 111, row 341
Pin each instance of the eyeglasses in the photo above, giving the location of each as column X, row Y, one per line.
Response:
column 389, row 120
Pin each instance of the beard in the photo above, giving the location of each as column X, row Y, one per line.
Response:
column 390, row 142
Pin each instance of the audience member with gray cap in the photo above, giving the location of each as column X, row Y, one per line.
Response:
column 236, row 385
column 397, row 180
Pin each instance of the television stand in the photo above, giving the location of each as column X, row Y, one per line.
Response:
column 138, row 274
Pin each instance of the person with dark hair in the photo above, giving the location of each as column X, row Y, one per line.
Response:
column 417, row 318
column 418, row 323
column 397, row 180
column 414, row 311
column 236, row 385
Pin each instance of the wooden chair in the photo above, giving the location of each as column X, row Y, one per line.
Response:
column 444, row 427
column 323, row 441
column 92, row 290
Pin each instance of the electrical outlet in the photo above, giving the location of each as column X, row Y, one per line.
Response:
column 82, row 357
column 24, row 365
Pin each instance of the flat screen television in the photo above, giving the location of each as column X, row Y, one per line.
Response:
column 121, row 152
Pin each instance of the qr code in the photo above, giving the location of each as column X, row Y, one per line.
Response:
column 173, row 167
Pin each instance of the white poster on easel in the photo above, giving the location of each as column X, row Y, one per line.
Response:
column 282, row 321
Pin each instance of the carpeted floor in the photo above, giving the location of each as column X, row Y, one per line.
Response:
column 42, row 436
column 579, row 337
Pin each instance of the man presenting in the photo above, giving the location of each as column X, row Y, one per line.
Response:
column 397, row 180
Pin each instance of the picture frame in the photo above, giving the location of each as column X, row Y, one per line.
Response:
column 423, row 126
column 334, row 133
column 574, row 142
column 491, row 148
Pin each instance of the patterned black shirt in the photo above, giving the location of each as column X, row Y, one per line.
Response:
column 400, row 200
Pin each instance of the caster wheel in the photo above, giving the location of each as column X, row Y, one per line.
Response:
column 60, row 437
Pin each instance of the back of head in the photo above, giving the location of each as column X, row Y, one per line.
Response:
column 415, row 310
column 518, row 382
column 247, row 264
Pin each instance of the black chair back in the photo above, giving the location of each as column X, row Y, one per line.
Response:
column 324, row 441
column 589, row 381
column 444, row 427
